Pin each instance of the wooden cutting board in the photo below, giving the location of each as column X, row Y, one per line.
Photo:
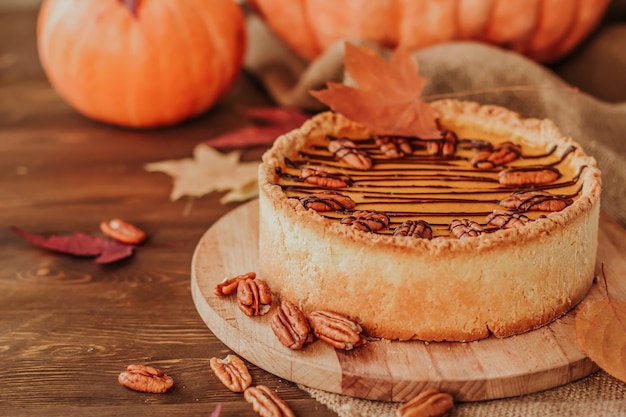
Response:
column 385, row 370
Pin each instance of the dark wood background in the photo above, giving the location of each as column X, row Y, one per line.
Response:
column 68, row 327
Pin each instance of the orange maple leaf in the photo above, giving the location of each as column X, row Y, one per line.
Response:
column 601, row 332
column 387, row 99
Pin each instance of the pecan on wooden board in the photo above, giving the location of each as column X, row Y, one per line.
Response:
column 229, row 285
column 336, row 330
column 254, row 297
column 266, row 402
column 429, row 403
column 291, row 326
column 145, row 378
column 232, row 372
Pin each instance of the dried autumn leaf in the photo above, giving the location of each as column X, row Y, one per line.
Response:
column 271, row 122
column 209, row 170
column 601, row 333
column 387, row 99
column 80, row 244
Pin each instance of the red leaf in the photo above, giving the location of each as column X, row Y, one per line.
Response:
column 387, row 99
column 268, row 123
column 217, row 411
column 80, row 244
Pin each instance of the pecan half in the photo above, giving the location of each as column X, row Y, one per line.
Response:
column 535, row 200
column 463, row 228
column 144, row 378
column 345, row 150
column 266, row 402
column 123, row 232
column 229, row 285
column 254, row 297
column 393, row 147
column 325, row 178
column 414, row 228
column 501, row 154
column 507, row 219
column 536, row 174
column 291, row 326
column 429, row 403
column 336, row 330
column 328, row 201
column 232, row 372
column 446, row 146
column 368, row 221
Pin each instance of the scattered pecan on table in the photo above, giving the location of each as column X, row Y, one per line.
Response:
column 336, row 330
column 266, row 402
column 254, row 297
column 145, row 378
column 429, row 403
column 232, row 372
column 291, row 326
column 123, row 231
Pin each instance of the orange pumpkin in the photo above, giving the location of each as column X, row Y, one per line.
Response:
column 544, row 30
column 141, row 63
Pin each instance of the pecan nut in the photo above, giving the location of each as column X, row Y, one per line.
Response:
column 291, row 326
column 328, row 201
column 501, row 154
column 336, row 330
column 446, row 146
column 232, row 372
column 266, row 402
column 535, row 201
column 464, row 228
column 367, row 221
column 414, row 228
column 429, row 403
column 325, row 178
column 536, row 174
column 254, row 297
column 393, row 147
column 229, row 285
column 345, row 150
column 144, row 378
column 507, row 219
column 123, row 231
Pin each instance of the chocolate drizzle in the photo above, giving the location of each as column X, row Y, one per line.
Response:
column 434, row 188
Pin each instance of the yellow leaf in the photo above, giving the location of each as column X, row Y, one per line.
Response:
column 207, row 171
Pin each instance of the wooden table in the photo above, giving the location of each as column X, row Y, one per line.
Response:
column 68, row 326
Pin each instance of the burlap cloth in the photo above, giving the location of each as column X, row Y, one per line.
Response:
column 594, row 114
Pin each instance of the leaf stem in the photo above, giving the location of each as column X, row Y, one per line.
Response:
column 131, row 5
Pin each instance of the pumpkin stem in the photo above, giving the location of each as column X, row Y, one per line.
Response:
column 131, row 5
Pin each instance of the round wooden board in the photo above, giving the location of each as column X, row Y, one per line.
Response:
column 379, row 370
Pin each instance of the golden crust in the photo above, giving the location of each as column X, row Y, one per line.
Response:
column 503, row 283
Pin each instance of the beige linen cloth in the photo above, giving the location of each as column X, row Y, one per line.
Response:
column 474, row 71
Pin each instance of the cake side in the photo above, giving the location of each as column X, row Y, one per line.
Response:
column 503, row 283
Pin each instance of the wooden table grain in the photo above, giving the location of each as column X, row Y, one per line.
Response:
column 68, row 326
